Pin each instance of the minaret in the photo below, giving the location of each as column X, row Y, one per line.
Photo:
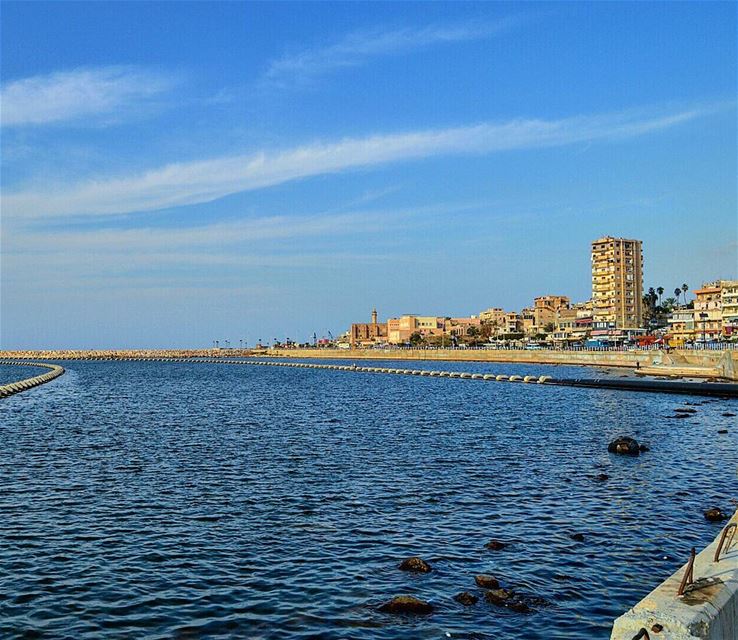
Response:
column 374, row 316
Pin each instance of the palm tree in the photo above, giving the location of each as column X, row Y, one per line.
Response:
column 685, row 288
column 660, row 291
column 677, row 293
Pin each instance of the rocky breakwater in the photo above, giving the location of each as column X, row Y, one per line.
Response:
column 127, row 354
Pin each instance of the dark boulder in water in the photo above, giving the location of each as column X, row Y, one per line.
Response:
column 466, row 598
column 643, row 448
column 486, row 581
column 495, row 545
column 508, row 599
column 498, row 596
column 416, row 565
column 578, row 537
column 601, row 477
column 727, row 414
column 406, row 604
column 518, row 606
column 715, row 515
column 624, row 446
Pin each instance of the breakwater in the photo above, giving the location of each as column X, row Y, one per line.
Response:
column 29, row 383
column 698, row 602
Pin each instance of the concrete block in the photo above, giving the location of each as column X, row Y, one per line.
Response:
column 708, row 610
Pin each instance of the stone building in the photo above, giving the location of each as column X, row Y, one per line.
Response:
column 368, row 334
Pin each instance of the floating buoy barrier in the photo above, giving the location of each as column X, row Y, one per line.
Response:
column 725, row 390
column 29, row 383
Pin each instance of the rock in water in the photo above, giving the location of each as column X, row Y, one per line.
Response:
column 497, row 596
column 406, row 604
column 578, row 537
column 505, row 598
column 624, row 446
column 487, row 582
column 715, row 515
column 466, row 598
column 518, row 606
column 416, row 565
column 495, row 545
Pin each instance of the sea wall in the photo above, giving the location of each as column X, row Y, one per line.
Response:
column 705, row 364
column 708, row 609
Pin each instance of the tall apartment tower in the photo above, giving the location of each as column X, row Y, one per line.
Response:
column 617, row 283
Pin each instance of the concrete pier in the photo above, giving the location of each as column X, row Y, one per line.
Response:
column 708, row 608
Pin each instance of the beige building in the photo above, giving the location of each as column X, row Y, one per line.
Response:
column 708, row 312
column 681, row 327
column 546, row 311
column 617, row 283
column 493, row 315
column 400, row 329
column 729, row 304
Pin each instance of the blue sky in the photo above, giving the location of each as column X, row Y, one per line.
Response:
column 176, row 173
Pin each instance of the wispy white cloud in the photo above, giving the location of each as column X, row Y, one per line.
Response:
column 202, row 181
column 220, row 237
column 76, row 94
column 141, row 257
column 358, row 47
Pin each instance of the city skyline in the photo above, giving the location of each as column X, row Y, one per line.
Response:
column 298, row 165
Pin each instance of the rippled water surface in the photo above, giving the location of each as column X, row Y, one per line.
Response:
column 163, row 500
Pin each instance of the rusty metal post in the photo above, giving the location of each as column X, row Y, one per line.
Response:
column 688, row 573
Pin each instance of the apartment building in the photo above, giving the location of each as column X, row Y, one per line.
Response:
column 729, row 304
column 617, row 283
column 708, row 312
